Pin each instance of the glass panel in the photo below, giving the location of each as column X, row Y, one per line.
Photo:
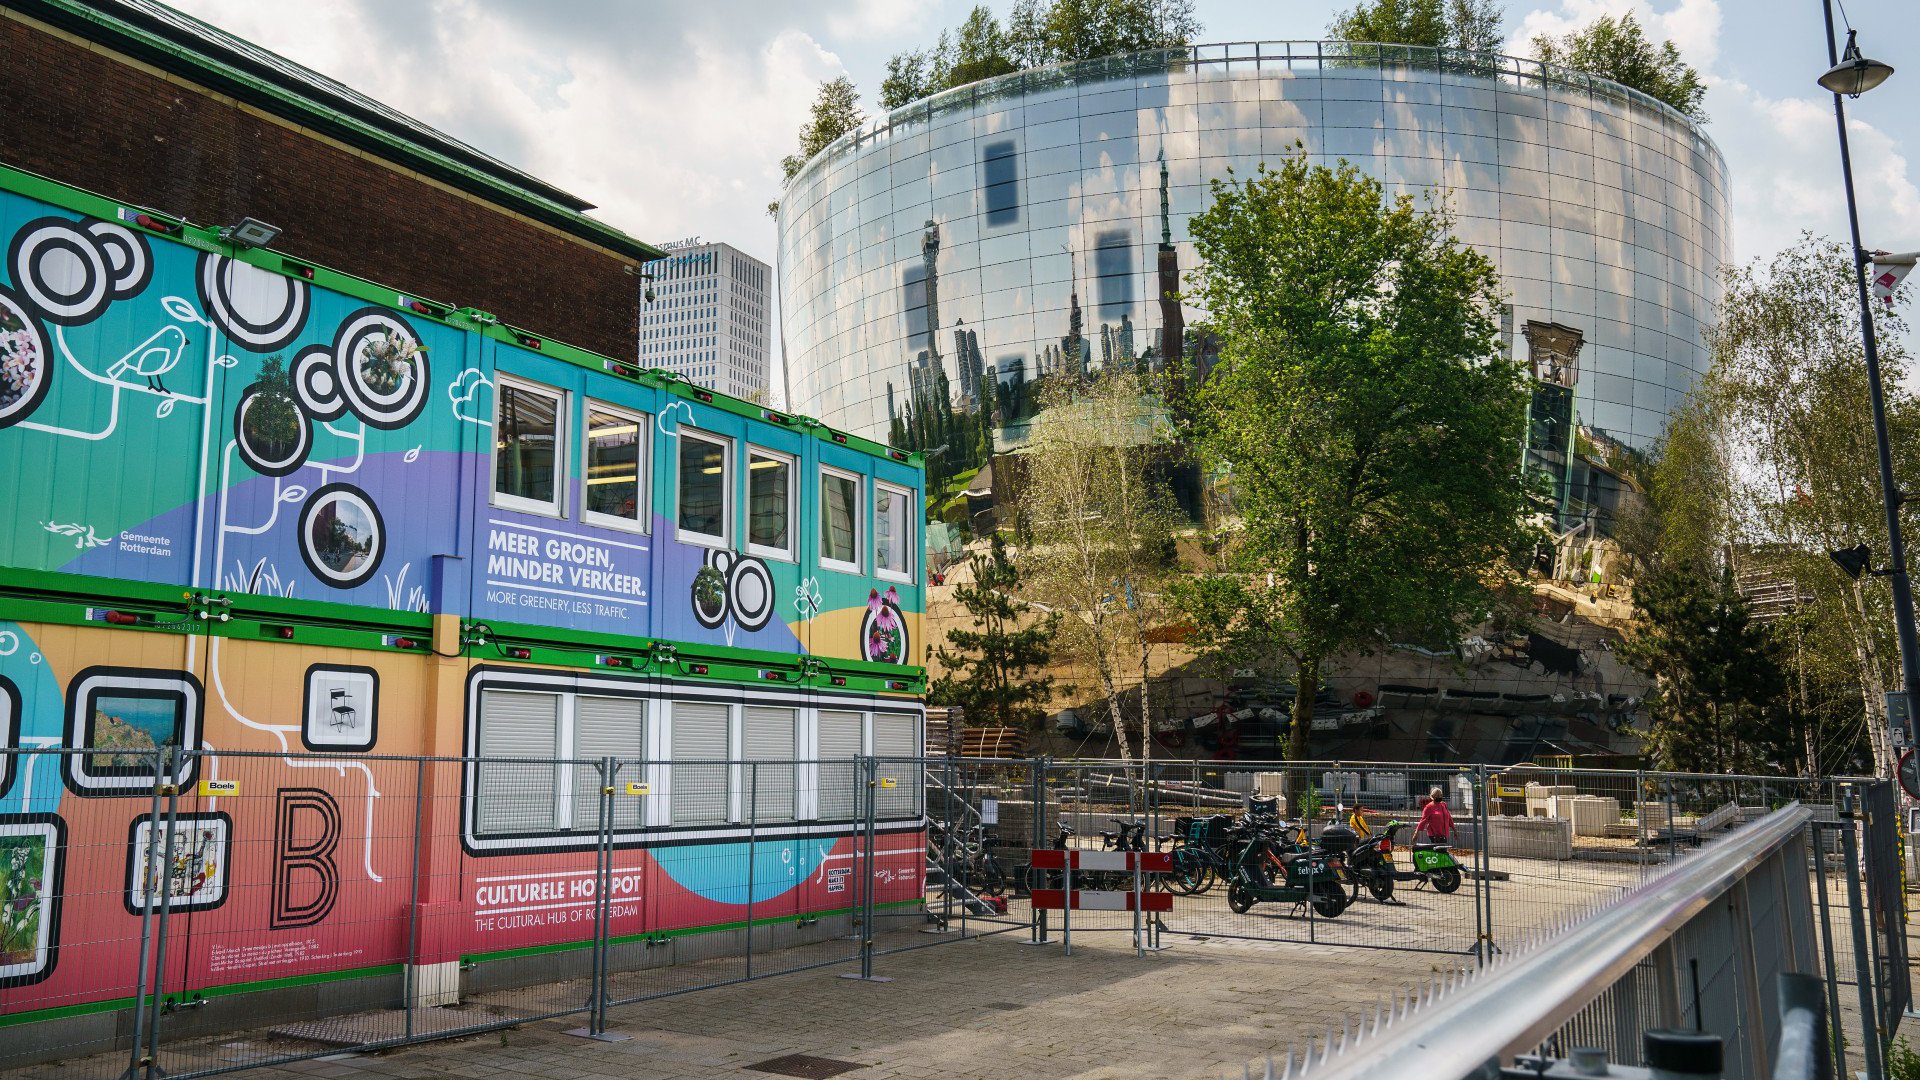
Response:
column 839, row 502
column 613, row 465
column 769, row 484
column 703, row 486
column 891, row 524
column 525, row 463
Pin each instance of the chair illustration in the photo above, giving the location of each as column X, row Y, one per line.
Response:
column 344, row 714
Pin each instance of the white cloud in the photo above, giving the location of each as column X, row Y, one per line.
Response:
column 1692, row 25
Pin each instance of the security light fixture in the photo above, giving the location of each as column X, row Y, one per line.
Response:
column 1852, row 561
column 250, row 233
column 1855, row 74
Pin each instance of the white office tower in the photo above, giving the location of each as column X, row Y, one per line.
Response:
column 708, row 318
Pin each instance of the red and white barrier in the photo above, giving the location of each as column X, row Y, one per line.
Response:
column 1080, row 861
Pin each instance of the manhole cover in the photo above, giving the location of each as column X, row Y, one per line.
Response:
column 805, row 1065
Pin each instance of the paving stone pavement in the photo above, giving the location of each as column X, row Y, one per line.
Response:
column 988, row 1008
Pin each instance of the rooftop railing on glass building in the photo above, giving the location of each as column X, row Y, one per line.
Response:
column 1197, row 61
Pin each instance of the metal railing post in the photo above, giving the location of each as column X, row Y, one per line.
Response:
column 866, row 925
column 1863, row 973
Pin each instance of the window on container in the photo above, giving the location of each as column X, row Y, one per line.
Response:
column 769, row 503
column 616, row 457
column 842, row 738
column 892, row 532
column 768, row 750
column 699, row 774
column 607, row 727
column 896, row 745
column 518, row 787
column 528, row 426
column 839, row 520
column 703, row 501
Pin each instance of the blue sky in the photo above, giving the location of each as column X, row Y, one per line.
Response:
column 673, row 117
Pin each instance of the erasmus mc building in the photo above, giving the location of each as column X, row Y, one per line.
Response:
column 944, row 257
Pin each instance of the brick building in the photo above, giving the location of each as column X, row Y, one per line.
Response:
column 147, row 106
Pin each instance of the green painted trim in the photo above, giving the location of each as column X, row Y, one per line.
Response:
column 691, row 931
column 60, row 1012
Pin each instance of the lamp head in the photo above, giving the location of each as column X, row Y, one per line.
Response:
column 1855, row 74
column 250, row 233
column 1852, row 561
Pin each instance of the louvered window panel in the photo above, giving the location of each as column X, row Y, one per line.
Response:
column 768, row 741
column 840, row 743
column 517, row 796
column 896, row 743
column 608, row 727
column 700, row 746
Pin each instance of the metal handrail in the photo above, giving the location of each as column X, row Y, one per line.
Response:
column 1529, row 998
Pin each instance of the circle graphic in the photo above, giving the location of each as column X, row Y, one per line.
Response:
column 129, row 260
column 270, row 432
column 710, row 592
column 381, row 367
column 25, row 373
column 342, row 537
column 883, row 632
column 750, row 592
column 316, row 384
column 61, row 270
column 260, row 310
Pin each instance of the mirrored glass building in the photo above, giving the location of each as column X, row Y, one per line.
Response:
column 939, row 261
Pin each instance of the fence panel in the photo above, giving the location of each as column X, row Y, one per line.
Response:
column 76, row 937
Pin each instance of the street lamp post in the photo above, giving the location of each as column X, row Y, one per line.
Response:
column 1854, row 75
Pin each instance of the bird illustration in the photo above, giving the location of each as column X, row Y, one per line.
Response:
column 153, row 358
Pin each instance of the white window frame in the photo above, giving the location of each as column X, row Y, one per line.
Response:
column 562, row 407
column 643, row 498
column 785, row 554
column 859, row 525
column 682, row 533
column 906, row 522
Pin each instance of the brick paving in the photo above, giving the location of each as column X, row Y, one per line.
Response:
column 989, row 1008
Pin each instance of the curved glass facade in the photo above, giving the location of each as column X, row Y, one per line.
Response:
column 942, row 258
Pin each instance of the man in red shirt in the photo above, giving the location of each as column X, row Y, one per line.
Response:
column 1436, row 821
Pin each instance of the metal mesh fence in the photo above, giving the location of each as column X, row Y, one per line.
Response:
column 235, row 909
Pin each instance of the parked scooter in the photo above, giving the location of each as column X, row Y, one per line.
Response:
column 1309, row 877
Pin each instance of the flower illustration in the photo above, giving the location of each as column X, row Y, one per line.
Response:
column 387, row 361
column 20, row 359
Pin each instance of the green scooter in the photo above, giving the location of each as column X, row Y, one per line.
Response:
column 1311, row 877
column 1436, row 863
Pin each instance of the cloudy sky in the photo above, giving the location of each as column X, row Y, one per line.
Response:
column 673, row 116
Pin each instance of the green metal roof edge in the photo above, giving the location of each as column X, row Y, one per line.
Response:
column 109, row 30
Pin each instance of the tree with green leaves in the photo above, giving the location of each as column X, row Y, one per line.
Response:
column 836, row 111
column 1719, row 697
column 1101, row 530
column 1036, row 34
column 1471, row 25
column 1618, row 49
column 988, row 668
column 1366, row 414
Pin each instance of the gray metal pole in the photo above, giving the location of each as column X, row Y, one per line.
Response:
column 1826, row 946
column 173, row 760
column 753, row 836
column 413, row 901
column 135, row 1067
column 1891, row 495
column 1863, row 972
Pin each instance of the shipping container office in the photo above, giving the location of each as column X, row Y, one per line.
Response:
column 263, row 509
